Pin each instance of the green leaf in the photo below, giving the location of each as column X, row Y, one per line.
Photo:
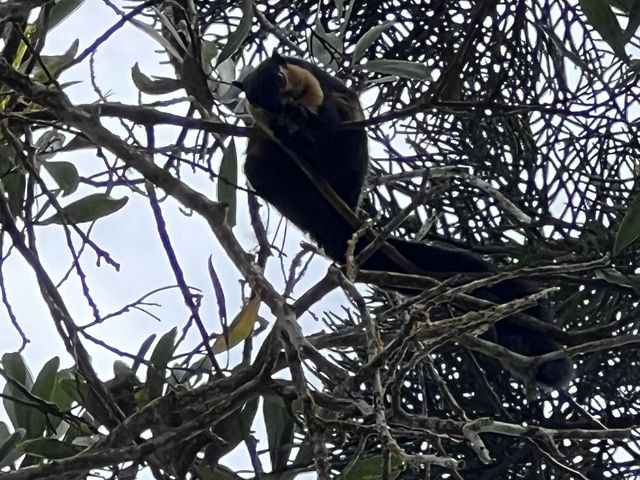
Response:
column 634, row 21
column 8, row 450
column 50, row 448
column 370, row 468
column 280, row 425
column 208, row 51
column 142, row 351
column 43, row 388
column 195, row 81
column 59, row 397
column 325, row 46
column 65, row 174
column 234, row 428
column 87, row 209
column 401, row 68
column 4, row 432
column 157, row 86
column 14, row 367
column 78, row 142
column 61, row 10
column 13, row 179
column 48, row 144
column 15, row 184
column 367, row 39
column 615, row 277
column 629, row 230
column 80, row 391
column 602, row 18
column 122, row 387
column 219, row 472
column 55, row 63
column 227, row 181
column 160, row 357
column 237, row 37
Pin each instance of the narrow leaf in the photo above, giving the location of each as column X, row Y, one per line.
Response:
column 401, row 68
column 239, row 34
column 156, row 86
column 219, row 292
column 14, row 367
column 241, row 327
column 602, row 18
column 367, row 39
column 15, row 184
column 8, row 453
column 87, row 209
column 219, row 472
column 43, row 388
column 142, row 351
column 629, row 230
column 324, row 45
column 50, row 448
column 80, row 391
column 160, row 357
column 280, row 426
column 235, row 427
column 55, row 63
column 370, row 468
column 61, row 10
column 195, row 81
column 227, row 181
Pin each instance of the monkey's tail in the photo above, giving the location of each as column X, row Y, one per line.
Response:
column 510, row 332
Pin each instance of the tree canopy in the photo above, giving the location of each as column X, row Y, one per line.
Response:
column 504, row 127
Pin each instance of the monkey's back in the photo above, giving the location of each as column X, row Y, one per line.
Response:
column 337, row 154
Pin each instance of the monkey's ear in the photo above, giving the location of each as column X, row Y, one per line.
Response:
column 238, row 85
column 276, row 56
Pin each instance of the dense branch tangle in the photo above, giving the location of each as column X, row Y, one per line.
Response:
column 511, row 108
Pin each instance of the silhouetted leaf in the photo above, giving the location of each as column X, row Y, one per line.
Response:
column 160, row 357
column 239, row 34
column 195, row 81
column 401, row 68
column 8, row 450
column 87, row 209
column 219, row 472
column 629, row 229
column 367, row 39
column 142, row 351
column 55, row 63
column 65, row 174
column 280, row 425
column 50, row 448
column 80, row 391
column 326, row 47
column 61, row 10
column 370, row 468
column 235, row 427
column 602, row 18
column 43, row 388
column 227, row 181
column 14, row 367
column 155, row 86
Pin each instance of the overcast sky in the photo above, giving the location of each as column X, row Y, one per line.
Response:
column 129, row 235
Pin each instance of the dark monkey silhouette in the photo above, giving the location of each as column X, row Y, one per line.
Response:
column 302, row 107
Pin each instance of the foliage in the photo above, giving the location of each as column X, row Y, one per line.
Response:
column 513, row 121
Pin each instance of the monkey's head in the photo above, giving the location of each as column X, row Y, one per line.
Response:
column 276, row 85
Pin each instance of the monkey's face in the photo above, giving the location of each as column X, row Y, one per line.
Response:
column 278, row 87
column 264, row 86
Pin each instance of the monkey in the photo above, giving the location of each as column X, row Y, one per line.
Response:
column 299, row 107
